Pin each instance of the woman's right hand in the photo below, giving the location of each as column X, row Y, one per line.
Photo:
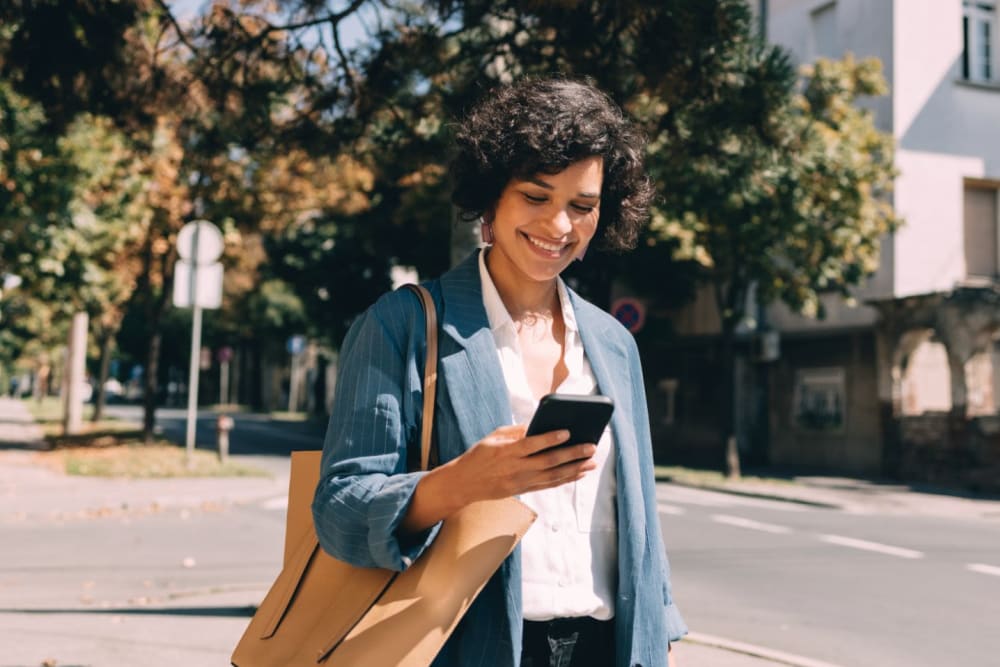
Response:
column 503, row 464
column 507, row 462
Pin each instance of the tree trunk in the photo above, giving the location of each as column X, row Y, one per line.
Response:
column 107, row 339
column 728, row 407
column 731, row 301
column 149, row 387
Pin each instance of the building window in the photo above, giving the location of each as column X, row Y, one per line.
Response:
column 820, row 400
column 979, row 38
column 981, row 218
column 669, row 387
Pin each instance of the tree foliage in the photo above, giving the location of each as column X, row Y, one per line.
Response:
column 317, row 133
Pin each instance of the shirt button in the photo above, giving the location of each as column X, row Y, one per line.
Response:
column 555, row 528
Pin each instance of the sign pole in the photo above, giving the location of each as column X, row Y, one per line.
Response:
column 192, row 410
column 293, row 387
column 224, row 383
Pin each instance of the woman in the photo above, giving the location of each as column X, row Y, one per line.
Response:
column 549, row 166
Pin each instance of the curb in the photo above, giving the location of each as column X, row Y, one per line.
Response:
column 749, row 494
column 744, row 648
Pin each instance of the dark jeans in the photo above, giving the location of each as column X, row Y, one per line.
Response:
column 569, row 642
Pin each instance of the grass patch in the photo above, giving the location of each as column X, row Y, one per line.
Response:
column 50, row 410
column 137, row 461
column 48, row 413
column 285, row 416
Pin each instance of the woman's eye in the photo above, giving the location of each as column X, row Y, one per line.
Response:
column 583, row 208
column 533, row 199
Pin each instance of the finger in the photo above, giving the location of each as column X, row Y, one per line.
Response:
column 564, row 474
column 536, row 443
column 562, row 455
column 505, row 434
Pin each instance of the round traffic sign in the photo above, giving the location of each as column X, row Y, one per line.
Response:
column 630, row 312
column 199, row 242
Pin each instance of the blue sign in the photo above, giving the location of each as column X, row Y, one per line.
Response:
column 630, row 312
column 296, row 345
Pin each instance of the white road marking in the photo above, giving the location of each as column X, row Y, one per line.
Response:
column 871, row 546
column 669, row 509
column 276, row 503
column 744, row 648
column 983, row 569
column 750, row 523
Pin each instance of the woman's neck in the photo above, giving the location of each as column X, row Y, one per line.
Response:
column 524, row 299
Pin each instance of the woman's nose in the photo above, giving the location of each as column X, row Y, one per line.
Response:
column 560, row 223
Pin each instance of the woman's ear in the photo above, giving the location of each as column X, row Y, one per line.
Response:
column 486, row 228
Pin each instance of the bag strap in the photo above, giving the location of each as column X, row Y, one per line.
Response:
column 430, row 376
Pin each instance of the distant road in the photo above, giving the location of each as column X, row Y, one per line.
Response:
column 855, row 590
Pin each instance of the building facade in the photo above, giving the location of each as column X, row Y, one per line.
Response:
column 908, row 382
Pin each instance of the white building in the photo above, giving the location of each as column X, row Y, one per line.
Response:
column 924, row 343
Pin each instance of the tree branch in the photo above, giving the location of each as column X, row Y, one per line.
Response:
column 173, row 21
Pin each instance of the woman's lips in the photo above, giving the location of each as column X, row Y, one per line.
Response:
column 545, row 248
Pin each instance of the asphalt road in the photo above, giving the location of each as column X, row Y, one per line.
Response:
column 850, row 589
column 266, row 442
column 179, row 582
column 846, row 588
column 164, row 589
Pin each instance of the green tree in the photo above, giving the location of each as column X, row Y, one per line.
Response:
column 795, row 212
column 109, row 217
column 759, row 185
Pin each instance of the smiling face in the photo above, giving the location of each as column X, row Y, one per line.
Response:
column 541, row 224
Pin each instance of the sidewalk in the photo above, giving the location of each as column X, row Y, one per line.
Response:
column 31, row 492
column 857, row 496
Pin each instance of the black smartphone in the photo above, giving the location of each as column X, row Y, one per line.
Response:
column 584, row 415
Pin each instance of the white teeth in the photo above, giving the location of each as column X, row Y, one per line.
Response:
column 545, row 246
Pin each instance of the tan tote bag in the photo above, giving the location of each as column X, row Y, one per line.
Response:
column 323, row 611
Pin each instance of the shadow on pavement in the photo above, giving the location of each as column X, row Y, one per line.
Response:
column 219, row 612
column 838, row 481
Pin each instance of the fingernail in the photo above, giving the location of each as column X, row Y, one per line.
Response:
column 564, row 435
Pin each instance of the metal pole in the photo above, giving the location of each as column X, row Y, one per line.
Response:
column 293, row 390
column 224, row 383
column 192, row 411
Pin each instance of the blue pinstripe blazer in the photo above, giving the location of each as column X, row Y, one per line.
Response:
column 364, row 488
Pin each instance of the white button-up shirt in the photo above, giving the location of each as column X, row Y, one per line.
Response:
column 569, row 557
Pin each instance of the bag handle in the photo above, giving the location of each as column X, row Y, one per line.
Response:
column 430, row 375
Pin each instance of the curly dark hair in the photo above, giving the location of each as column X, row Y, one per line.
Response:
column 541, row 126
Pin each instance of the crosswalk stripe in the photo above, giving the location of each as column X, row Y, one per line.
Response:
column 664, row 508
column 871, row 546
column 983, row 569
column 750, row 523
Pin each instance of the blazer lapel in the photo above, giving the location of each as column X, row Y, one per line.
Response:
column 470, row 367
column 609, row 361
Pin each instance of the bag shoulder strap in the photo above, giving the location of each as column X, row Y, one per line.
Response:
column 430, row 375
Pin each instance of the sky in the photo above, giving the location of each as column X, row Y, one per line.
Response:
column 351, row 32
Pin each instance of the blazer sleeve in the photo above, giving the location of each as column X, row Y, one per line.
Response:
column 364, row 489
column 676, row 627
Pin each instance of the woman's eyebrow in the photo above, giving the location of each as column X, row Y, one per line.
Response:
column 542, row 184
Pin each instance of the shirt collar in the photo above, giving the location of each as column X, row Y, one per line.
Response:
column 497, row 313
